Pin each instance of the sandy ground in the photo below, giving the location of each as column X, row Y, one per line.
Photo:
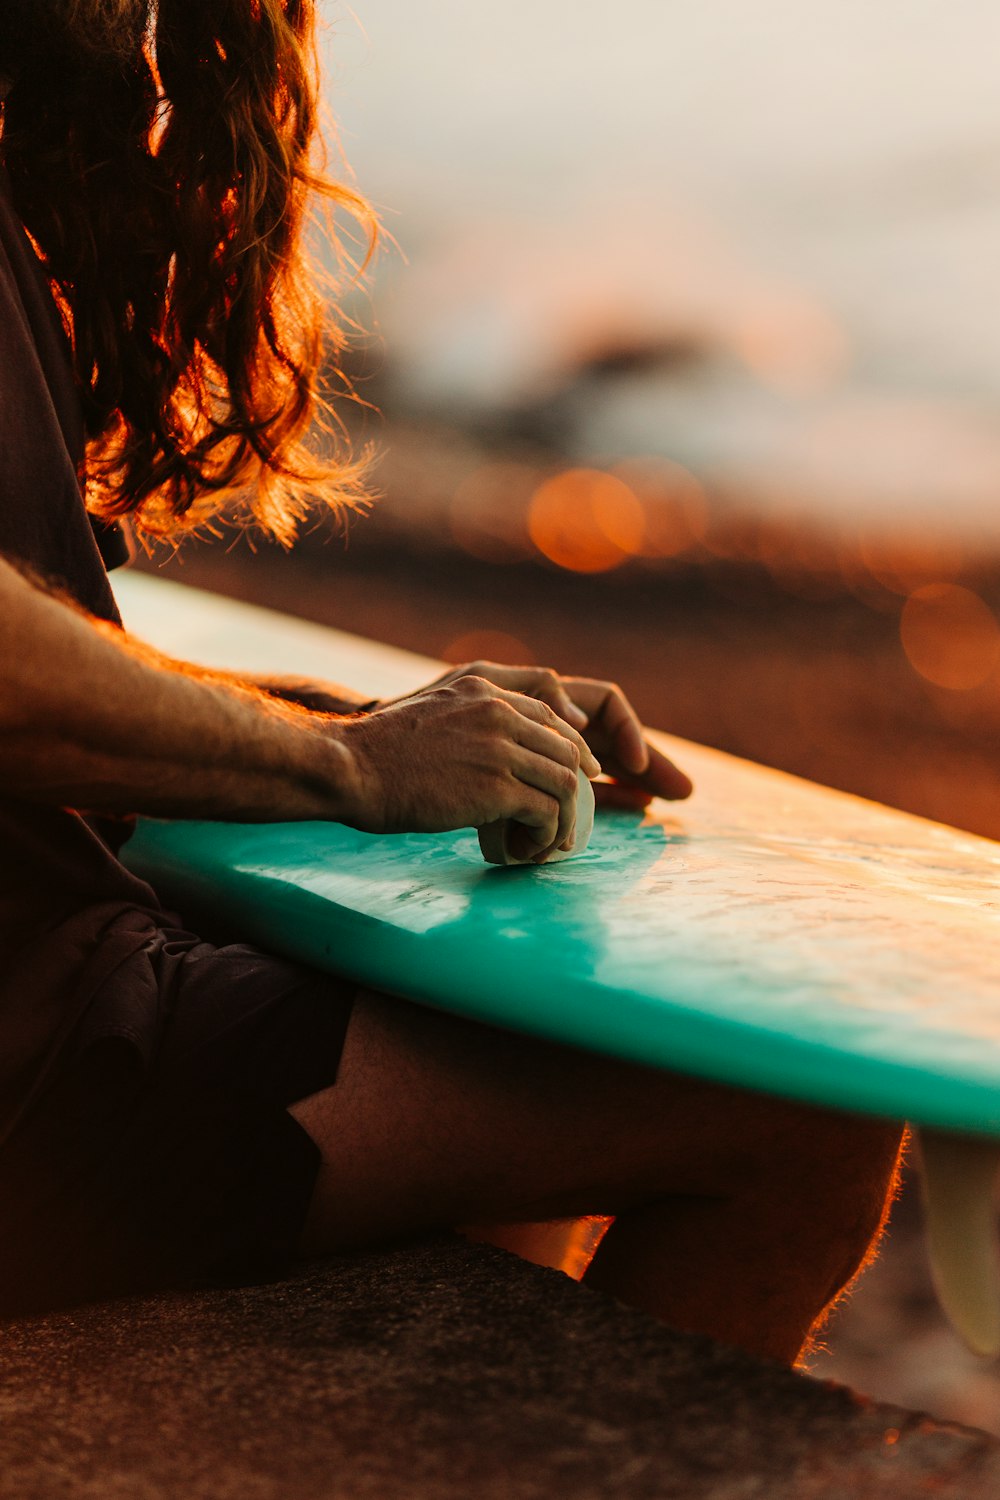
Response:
column 794, row 672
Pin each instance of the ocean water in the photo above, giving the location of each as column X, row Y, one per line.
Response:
column 803, row 198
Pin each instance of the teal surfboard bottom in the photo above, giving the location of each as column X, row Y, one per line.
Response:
column 638, row 949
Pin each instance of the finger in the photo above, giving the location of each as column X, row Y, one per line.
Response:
column 612, row 715
column 661, row 777
column 611, row 794
column 523, row 844
column 531, row 823
column 547, row 743
column 541, row 713
column 664, row 779
column 559, row 783
column 542, row 740
column 541, row 683
column 620, row 722
column 551, row 689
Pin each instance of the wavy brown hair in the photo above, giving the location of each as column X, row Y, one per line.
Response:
column 162, row 155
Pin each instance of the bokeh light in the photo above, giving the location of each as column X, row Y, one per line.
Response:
column 488, row 645
column 801, row 562
column 950, row 636
column 586, row 520
column 792, row 343
column 489, row 512
column 734, row 537
column 673, row 501
column 904, row 564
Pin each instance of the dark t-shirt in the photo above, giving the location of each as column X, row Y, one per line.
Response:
column 70, row 913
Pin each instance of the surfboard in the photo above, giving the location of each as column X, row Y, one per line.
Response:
column 769, row 933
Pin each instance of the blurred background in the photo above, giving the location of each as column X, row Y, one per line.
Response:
column 686, row 362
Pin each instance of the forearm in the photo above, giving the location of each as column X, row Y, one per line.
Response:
column 89, row 719
column 318, row 697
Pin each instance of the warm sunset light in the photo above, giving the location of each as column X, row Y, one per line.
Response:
column 673, row 501
column 489, row 645
column 792, row 344
column 950, row 636
column 500, row 640
column 902, row 564
column 803, row 565
column 489, row 512
column 586, row 521
column 734, row 538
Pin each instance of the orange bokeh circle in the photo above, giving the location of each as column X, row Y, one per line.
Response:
column 586, row 521
column 950, row 636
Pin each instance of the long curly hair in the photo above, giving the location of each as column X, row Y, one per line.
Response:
column 162, row 155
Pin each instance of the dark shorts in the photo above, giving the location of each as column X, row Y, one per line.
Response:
column 185, row 1168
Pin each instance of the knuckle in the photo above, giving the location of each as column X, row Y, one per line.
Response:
column 496, row 713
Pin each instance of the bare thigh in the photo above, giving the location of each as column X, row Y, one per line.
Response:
column 438, row 1122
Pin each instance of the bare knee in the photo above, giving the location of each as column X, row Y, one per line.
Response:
column 865, row 1184
column 825, row 1167
column 825, row 1201
column 759, row 1263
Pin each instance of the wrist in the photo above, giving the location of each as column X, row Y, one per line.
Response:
column 330, row 784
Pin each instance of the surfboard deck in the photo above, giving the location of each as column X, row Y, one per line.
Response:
column 770, row 932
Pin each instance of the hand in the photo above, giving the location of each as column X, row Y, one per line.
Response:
column 614, row 733
column 609, row 723
column 466, row 752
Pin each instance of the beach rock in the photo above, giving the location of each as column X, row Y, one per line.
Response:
column 438, row 1372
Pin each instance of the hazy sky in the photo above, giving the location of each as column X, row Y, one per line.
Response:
column 838, row 160
column 717, row 88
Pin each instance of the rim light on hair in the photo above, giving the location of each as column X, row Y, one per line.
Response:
column 165, row 162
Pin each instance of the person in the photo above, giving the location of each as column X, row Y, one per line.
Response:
column 177, row 1111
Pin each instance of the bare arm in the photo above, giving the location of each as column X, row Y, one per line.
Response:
column 91, row 719
column 319, row 697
